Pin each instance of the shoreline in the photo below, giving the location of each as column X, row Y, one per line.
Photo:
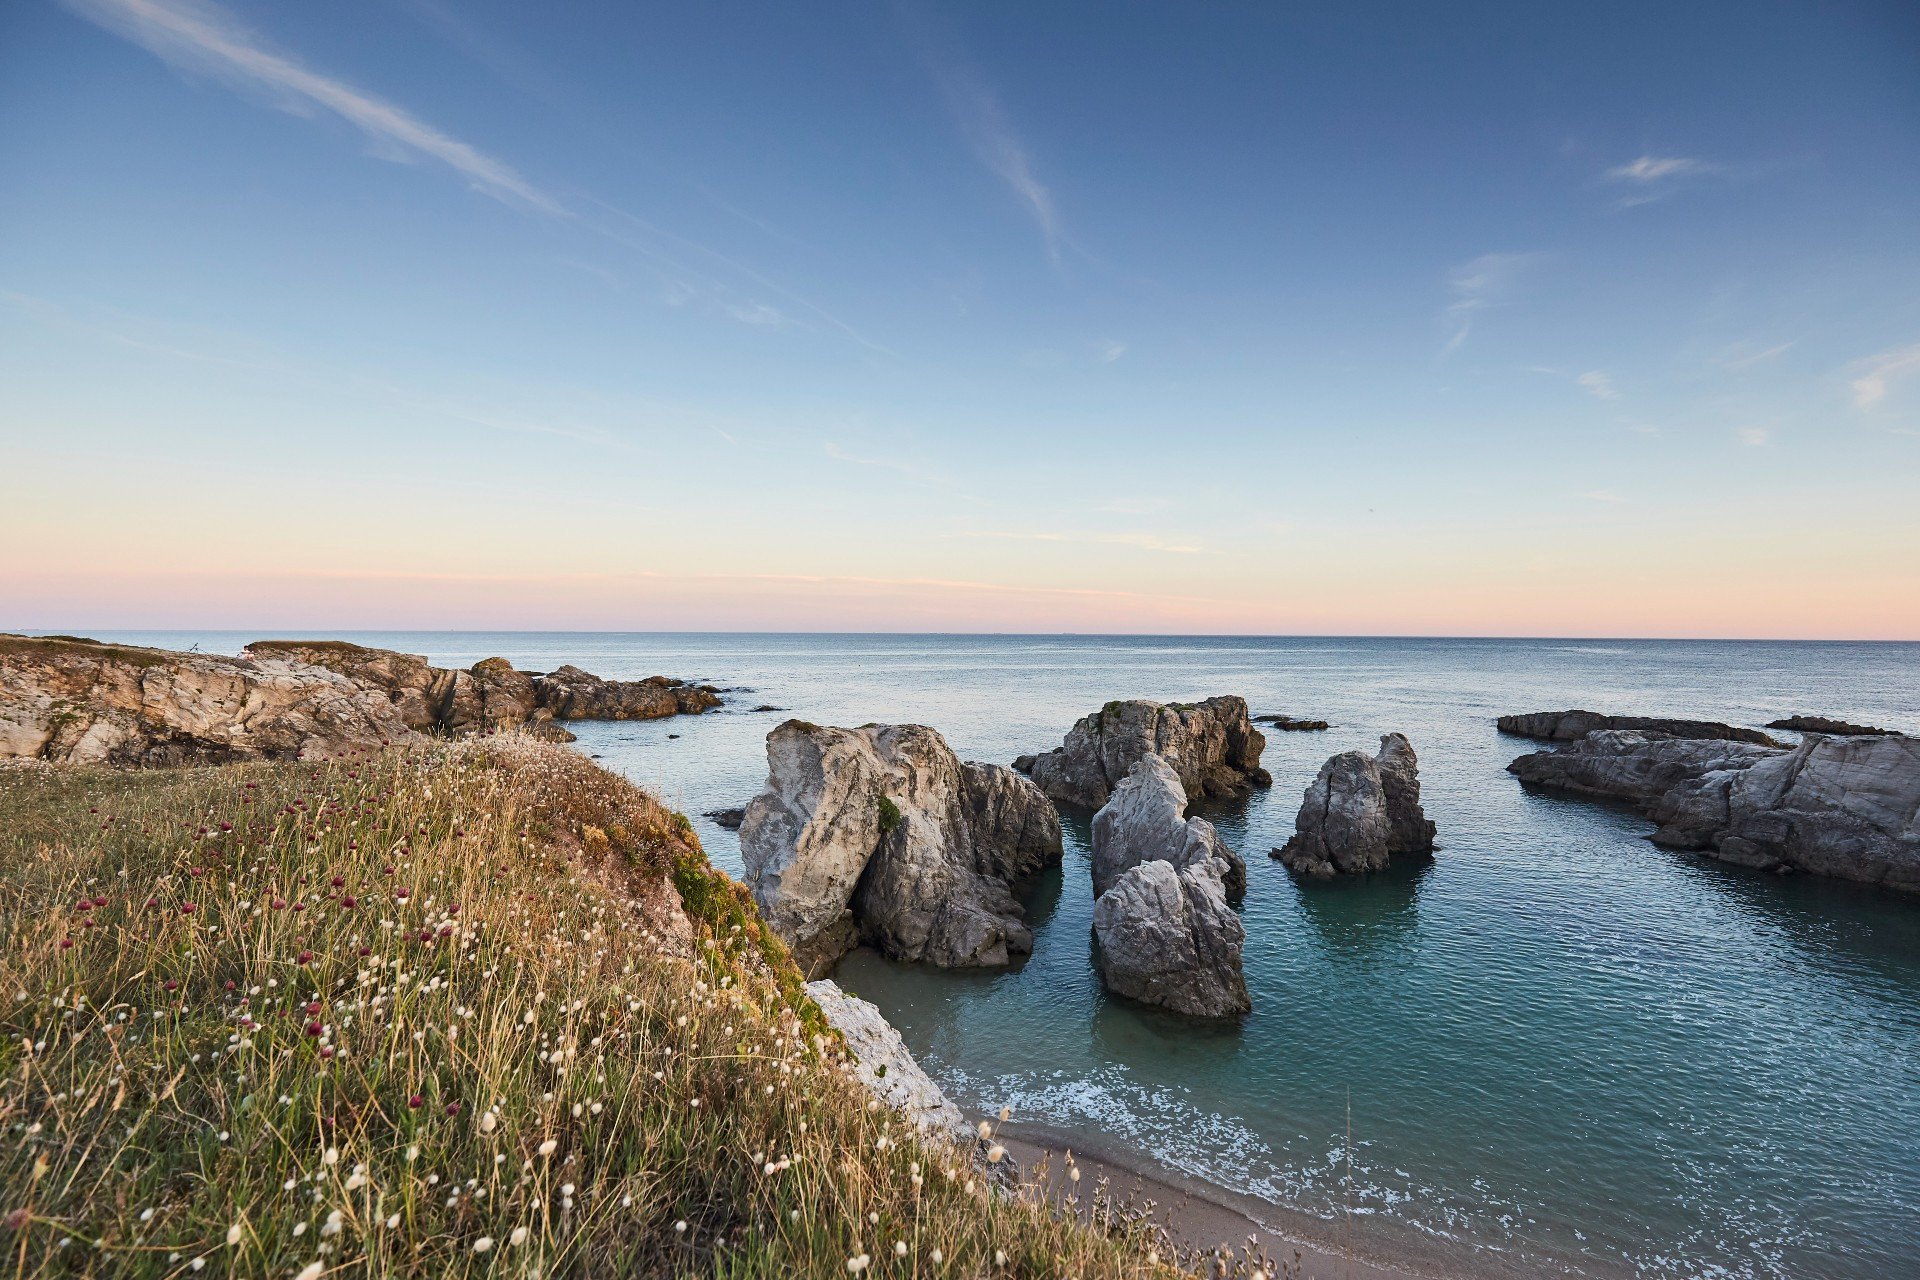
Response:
column 1203, row 1215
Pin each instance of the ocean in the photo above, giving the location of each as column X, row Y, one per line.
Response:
column 1551, row 1048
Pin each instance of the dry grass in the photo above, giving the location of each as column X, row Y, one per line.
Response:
column 423, row 1013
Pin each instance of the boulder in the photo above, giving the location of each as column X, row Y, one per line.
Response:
column 1358, row 812
column 882, row 834
column 1145, row 821
column 1565, row 726
column 885, row 1066
column 80, row 702
column 1846, row 806
column 1167, row 937
column 1291, row 724
column 1211, row 745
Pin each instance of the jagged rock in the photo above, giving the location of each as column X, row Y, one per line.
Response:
column 881, row 834
column 884, row 1064
column 1565, row 726
column 81, row 702
column 729, row 819
column 1212, row 746
column 1145, row 820
column 1167, row 937
column 572, row 694
column 1408, row 828
column 1632, row 765
column 1824, row 724
column 1847, row 807
column 1359, row 811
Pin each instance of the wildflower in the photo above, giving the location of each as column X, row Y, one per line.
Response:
column 312, row 1271
column 938, row 1257
column 518, row 1237
column 416, row 1102
column 999, row 1257
column 858, row 1263
column 393, row 1222
column 487, row 1122
column 332, row 1157
column 900, row 1248
column 233, row 1234
column 483, row 1244
column 547, row 1149
column 680, row 1227
column 996, row 1153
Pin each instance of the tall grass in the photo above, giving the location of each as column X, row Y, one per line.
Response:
column 436, row 1011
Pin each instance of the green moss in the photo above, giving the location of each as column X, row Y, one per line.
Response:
column 714, row 900
column 889, row 815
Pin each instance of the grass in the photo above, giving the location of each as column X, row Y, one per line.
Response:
column 460, row 1009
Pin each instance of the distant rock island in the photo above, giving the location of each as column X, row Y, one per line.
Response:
column 1211, row 746
column 75, row 700
column 1842, row 806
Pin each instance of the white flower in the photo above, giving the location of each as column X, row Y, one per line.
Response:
column 679, row 1228
column 311, row 1271
column 393, row 1222
column 999, row 1257
column 487, row 1122
column 900, row 1248
column 519, row 1236
column 331, row 1158
column 548, row 1147
column 996, row 1153
column 858, row 1264
column 233, row 1234
column 483, row 1244
column 938, row 1257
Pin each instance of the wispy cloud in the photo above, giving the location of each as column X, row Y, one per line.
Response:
column 199, row 37
column 1109, row 351
column 996, row 144
column 1737, row 356
column 1873, row 376
column 757, row 313
column 1487, row 281
column 1654, row 168
column 1754, row 437
column 1598, row 385
column 905, row 468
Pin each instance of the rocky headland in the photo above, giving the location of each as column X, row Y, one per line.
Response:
column 1358, row 812
column 1212, row 747
column 72, row 700
column 882, row 834
column 1841, row 806
column 1166, row 933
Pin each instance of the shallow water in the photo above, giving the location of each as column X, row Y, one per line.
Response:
column 1552, row 1042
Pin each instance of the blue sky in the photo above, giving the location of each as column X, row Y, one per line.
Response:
column 1476, row 319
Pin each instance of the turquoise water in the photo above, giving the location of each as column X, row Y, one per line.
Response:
column 1555, row 1046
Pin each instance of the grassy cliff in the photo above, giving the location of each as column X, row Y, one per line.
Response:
column 461, row 1009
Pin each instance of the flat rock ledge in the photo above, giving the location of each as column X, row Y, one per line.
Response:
column 1567, row 726
column 1166, row 933
column 1359, row 811
column 882, row 834
column 1211, row 745
column 1846, row 807
column 886, row 1067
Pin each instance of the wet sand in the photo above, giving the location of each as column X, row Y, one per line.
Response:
column 1199, row 1215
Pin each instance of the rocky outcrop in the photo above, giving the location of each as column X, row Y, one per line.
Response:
column 885, row 1066
column 1828, row 725
column 492, row 694
column 1145, row 821
column 1359, row 811
column 1289, row 724
column 77, row 701
column 1847, row 807
column 1167, row 937
column 1211, row 745
column 1566, row 726
column 881, row 834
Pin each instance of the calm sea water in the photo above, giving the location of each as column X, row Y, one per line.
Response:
column 1555, row 1046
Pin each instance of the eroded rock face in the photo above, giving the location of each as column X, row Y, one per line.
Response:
column 884, row 1064
column 1847, row 807
column 1212, row 747
column 1359, row 811
column 1144, row 821
column 1566, row 726
column 882, row 834
column 79, row 702
column 1167, row 937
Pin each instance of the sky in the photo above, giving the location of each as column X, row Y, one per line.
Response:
column 1278, row 318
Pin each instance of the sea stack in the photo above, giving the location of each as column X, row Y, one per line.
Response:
column 1212, row 746
column 1359, row 811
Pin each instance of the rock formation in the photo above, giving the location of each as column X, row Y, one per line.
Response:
column 1168, row 937
column 1290, row 724
column 885, row 1066
column 492, row 694
column 1145, row 821
column 1847, row 807
column 1826, row 724
column 1566, row 726
column 882, row 834
column 80, row 702
column 1212, row 746
column 1359, row 811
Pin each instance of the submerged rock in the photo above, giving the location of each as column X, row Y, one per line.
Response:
column 1212, row 747
column 884, row 1064
column 1846, row 807
column 1565, row 726
column 1167, row 937
column 81, row 702
column 881, row 834
column 1358, row 812
column 1145, row 820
